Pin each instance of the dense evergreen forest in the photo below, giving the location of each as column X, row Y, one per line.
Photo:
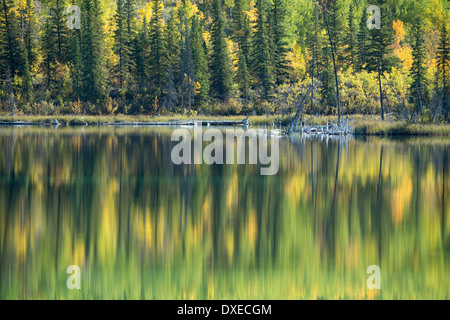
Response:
column 225, row 57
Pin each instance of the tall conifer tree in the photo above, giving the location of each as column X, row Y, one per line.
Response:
column 92, row 50
column 349, row 50
column 221, row 74
column 443, row 63
column 11, row 51
column 280, row 64
column 158, row 54
column 122, row 46
column 200, row 61
column 261, row 58
column 419, row 88
column 362, row 43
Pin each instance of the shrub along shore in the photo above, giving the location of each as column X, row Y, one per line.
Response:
column 364, row 125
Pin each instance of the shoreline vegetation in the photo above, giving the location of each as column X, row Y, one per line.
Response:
column 364, row 125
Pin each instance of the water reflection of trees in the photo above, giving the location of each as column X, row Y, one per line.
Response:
column 111, row 201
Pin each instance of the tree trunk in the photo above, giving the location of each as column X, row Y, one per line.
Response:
column 381, row 90
column 335, row 68
column 299, row 111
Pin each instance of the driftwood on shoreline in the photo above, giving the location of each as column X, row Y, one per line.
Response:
column 330, row 128
column 339, row 128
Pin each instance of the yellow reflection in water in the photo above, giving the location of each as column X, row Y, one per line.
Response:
column 110, row 201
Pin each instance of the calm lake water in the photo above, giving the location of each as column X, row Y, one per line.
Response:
column 110, row 201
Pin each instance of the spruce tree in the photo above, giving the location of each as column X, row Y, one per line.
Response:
column 55, row 43
column 170, row 98
column 242, row 76
column 418, row 89
column 56, row 31
column 27, row 82
column 349, row 51
column 76, row 63
column 130, row 9
column 336, row 28
column 92, row 48
column 122, row 46
column 325, row 65
column 59, row 19
column 158, row 55
column 187, row 76
column 280, row 64
column 241, row 29
column 172, row 40
column 242, row 35
column 12, row 61
column 131, row 22
column 380, row 58
column 362, row 43
column 200, row 62
column 380, row 48
column 238, row 20
column 29, row 32
column 221, row 74
column 334, row 60
column 141, row 56
column 443, row 63
column 261, row 59
column 313, row 42
column 246, row 39
column 11, row 51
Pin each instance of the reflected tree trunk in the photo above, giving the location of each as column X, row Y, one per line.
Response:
column 332, row 225
column 443, row 205
column 378, row 206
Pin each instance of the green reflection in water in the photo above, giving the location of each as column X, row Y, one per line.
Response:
column 110, row 201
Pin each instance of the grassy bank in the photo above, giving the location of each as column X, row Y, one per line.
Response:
column 364, row 125
column 372, row 126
